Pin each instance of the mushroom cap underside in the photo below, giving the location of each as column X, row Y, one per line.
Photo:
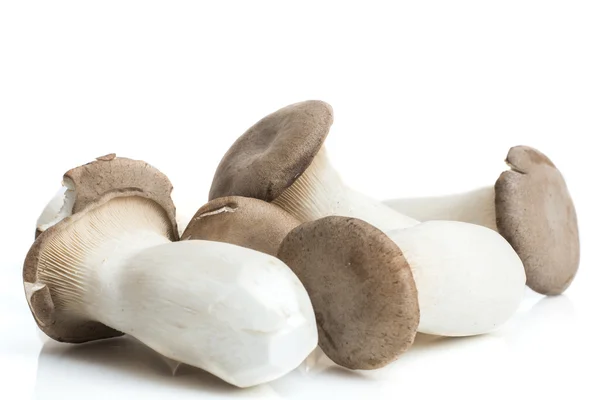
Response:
column 109, row 173
column 55, row 268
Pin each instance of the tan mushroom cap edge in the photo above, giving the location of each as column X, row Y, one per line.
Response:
column 242, row 221
column 111, row 173
column 361, row 287
column 129, row 178
column 536, row 215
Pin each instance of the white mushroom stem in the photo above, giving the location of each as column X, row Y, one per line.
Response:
column 58, row 208
column 476, row 207
column 237, row 313
column 320, row 192
column 470, row 280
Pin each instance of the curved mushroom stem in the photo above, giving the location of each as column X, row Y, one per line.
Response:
column 320, row 192
column 476, row 207
column 237, row 313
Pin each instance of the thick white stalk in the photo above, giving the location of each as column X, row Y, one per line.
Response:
column 470, row 280
column 476, row 207
column 239, row 314
column 320, row 192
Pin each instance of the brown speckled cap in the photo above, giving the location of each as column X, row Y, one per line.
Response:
column 110, row 173
column 274, row 152
column 361, row 288
column 535, row 213
column 242, row 221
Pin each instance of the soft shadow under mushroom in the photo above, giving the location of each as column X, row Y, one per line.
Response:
column 73, row 370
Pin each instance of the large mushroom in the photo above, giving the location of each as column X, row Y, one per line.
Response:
column 530, row 206
column 110, row 268
column 281, row 159
column 359, row 282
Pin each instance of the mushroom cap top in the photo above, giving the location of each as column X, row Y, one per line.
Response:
column 243, row 221
column 361, row 287
column 536, row 215
column 57, row 263
column 111, row 173
column 274, row 152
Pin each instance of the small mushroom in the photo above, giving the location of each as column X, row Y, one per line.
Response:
column 243, row 221
column 361, row 288
column 281, row 159
column 111, row 268
column 530, row 206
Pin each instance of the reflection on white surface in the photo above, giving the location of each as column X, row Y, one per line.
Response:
column 100, row 366
column 125, row 368
column 548, row 317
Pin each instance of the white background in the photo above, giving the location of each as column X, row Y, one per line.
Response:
column 428, row 97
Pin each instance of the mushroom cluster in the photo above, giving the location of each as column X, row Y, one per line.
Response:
column 284, row 256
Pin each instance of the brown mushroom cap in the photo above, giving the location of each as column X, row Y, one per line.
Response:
column 361, row 287
column 274, row 152
column 243, row 221
column 535, row 213
column 93, row 185
column 111, row 173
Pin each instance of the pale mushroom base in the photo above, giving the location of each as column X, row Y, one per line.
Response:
column 470, row 294
column 475, row 207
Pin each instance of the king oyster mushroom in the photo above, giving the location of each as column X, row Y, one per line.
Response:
column 359, row 282
column 281, row 160
column 110, row 268
column 530, row 206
